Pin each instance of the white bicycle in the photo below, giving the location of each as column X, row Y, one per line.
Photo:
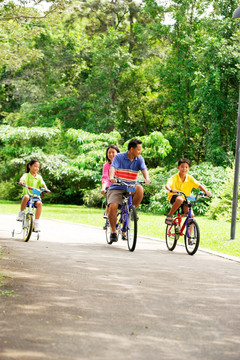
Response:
column 28, row 218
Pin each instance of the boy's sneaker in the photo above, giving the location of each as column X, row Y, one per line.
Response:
column 20, row 216
column 36, row 227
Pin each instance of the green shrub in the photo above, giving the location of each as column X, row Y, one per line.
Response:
column 10, row 190
column 221, row 206
column 93, row 198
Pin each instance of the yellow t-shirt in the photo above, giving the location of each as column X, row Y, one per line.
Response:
column 186, row 186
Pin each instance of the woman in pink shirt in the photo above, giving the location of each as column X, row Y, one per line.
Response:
column 111, row 151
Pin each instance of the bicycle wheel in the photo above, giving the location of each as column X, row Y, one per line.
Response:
column 27, row 226
column 192, row 241
column 108, row 232
column 132, row 229
column 171, row 239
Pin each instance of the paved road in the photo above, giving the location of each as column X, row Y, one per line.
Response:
column 78, row 298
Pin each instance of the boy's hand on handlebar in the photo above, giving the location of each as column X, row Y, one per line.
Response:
column 207, row 193
column 113, row 181
column 147, row 181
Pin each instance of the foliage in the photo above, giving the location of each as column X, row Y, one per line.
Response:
column 93, row 198
column 77, row 76
column 155, row 148
column 221, row 206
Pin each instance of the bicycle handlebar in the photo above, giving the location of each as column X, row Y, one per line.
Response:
column 190, row 198
column 120, row 182
column 37, row 191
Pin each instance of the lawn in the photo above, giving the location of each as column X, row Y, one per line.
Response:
column 214, row 235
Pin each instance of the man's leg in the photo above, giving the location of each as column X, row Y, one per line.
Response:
column 138, row 196
column 112, row 216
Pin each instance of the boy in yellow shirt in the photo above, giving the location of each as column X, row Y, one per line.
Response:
column 184, row 183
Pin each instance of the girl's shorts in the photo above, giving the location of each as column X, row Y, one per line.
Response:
column 35, row 199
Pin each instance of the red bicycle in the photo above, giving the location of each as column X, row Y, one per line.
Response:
column 189, row 228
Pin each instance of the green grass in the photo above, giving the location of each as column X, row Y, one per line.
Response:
column 214, row 235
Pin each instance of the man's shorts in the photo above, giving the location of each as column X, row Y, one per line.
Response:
column 115, row 196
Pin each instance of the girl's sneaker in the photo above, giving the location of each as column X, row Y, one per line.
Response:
column 20, row 216
column 36, row 226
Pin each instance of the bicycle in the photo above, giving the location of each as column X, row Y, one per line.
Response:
column 126, row 217
column 189, row 229
column 28, row 218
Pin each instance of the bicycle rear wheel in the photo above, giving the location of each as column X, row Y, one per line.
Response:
column 192, row 241
column 27, row 226
column 132, row 229
column 171, row 239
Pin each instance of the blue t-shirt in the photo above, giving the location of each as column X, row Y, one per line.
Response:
column 127, row 170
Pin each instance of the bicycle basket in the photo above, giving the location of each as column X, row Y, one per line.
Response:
column 36, row 191
column 130, row 189
column 191, row 198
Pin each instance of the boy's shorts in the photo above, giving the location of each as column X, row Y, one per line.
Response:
column 173, row 199
column 115, row 196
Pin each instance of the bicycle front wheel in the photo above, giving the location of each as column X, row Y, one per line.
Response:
column 132, row 229
column 192, row 239
column 171, row 239
column 108, row 232
column 27, row 227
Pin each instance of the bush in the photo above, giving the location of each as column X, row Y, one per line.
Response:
column 221, row 206
column 10, row 191
column 93, row 198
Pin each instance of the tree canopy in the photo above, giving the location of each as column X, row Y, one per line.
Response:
column 111, row 70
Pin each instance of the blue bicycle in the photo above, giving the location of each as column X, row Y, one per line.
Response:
column 189, row 228
column 126, row 218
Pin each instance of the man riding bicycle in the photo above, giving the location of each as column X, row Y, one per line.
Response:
column 125, row 167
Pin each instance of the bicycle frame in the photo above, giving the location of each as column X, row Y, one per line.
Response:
column 124, row 211
column 178, row 221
